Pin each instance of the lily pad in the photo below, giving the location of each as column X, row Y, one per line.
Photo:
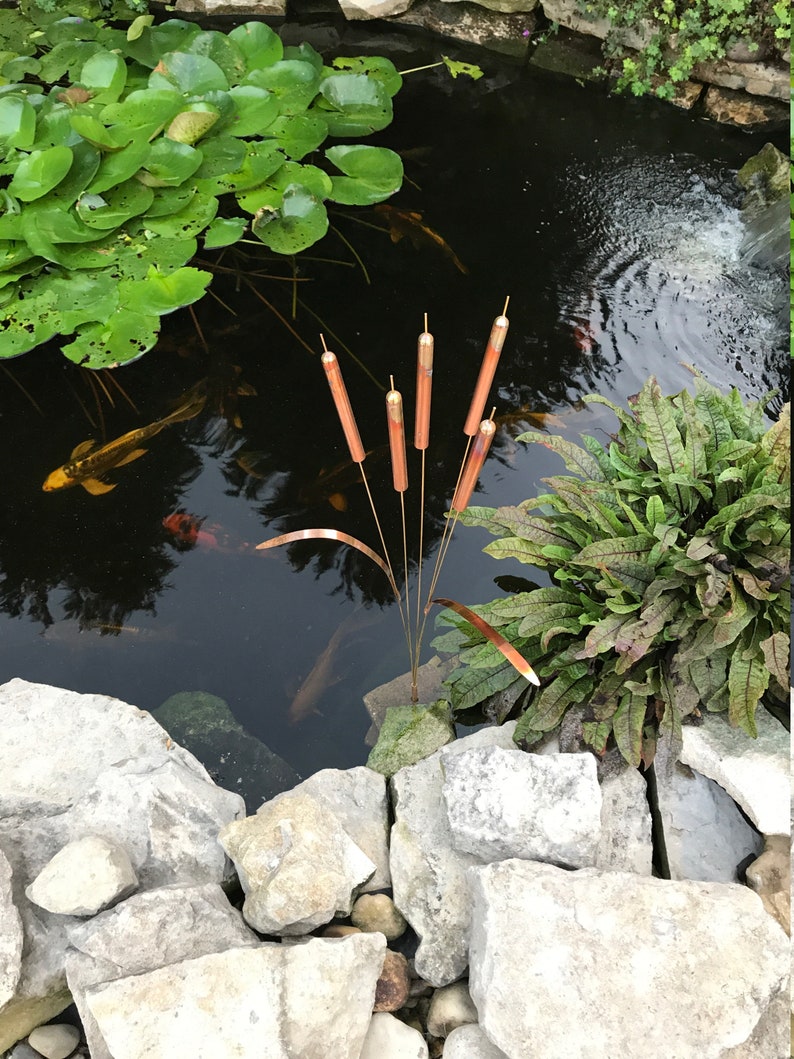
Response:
column 223, row 51
column 189, row 221
column 121, row 165
column 260, row 44
column 190, row 125
column 300, row 222
column 262, row 159
column 256, row 109
column 39, row 172
column 116, row 207
column 271, row 194
column 224, row 231
column 299, row 134
column 374, row 66
column 169, row 163
column 221, row 156
column 354, row 105
column 191, row 74
column 160, row 293
column 371, row 174
column 104, row 74
column 144, row 108
column 17, row 122
column 123, row 337
column 294, row 82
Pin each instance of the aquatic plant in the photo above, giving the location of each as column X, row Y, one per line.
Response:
column 668, row 549
column 684, row 34
column 119, row 149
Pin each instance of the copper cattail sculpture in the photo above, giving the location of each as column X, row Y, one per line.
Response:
column 480, row 433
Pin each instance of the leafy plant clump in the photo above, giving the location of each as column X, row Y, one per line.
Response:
column 118, row 146
column 669, row 553
column 684, row 34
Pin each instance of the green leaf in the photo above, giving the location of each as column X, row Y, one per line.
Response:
column 144, row 108
column 271, row 194
column 122, row 338
column 661, row 431
column 746, row 506
column 371, row 174
column 256, row 110
column 159, row 293
column 17, row 121
column 299, row 134
column 627, row 725
column 223, row 50
column 190, row 125
column 39, row 172
column 375, row 66
column 293, row 82
column 456, row 68
column 300, row 222
column 261, row 161
column 473, row 686
column 571, row 686
column 119, row 166
column 221, row 156
column 260, row 45
column 354, row 105
column 748, row 679
column 224, row 231
column 515, row 548
column 117, row 206
column 190, row 74
column 604, row 635
column 138, row 25
column 104, row 74
column 169, row 163
column 577, row 459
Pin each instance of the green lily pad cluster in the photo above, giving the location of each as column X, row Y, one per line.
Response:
column 669, row 554
column 117, row 147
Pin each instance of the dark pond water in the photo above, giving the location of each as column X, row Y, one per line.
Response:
column 611, row 223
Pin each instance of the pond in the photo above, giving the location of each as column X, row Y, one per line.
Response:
column 613, row 226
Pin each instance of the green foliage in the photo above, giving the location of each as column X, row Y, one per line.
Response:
column 683, row 34
column 669, row 553
column 118, row 149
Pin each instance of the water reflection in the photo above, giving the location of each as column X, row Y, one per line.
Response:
column 613, row 225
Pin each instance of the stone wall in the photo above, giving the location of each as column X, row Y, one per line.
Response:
column 743, row 89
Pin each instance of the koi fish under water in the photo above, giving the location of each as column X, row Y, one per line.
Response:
column 88, row 464
column 323, row 673
column 410, row 223
column 187, row 532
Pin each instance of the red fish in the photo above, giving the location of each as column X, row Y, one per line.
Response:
column 186, row 531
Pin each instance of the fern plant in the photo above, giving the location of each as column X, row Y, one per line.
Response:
column 668, row 549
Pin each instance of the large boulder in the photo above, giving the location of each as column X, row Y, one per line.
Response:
column 299, row 1001
column 618, row 964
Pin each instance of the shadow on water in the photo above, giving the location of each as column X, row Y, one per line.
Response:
column 615, row 227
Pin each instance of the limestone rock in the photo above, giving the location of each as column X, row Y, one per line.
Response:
column 706, row 836
column 87, row 875
column 507, row 803
column 470, row 1042
column 296, row 864
column 568, row 13
column 757, row 78
column 450, row 1007
column 252, row 8
column 56, row 1041
column 388, row 1038
column 564, row 930
column 735, row 108
column 394, row 983
column 368, row 9
column 357, row 798
column 770, row 876
column 755, row 772
column 168, row 925
column 10, row 935
column 472, row 24
column 428, row 873
column 378, row 912
column 570, row 54
column 409, row 734
column 625, row 843
column 165, row 815
column 56, row 743
column 303, row 1001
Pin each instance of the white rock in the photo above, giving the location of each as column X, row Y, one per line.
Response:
column 56, row 742
column 56, row 1041
column 506, row 803
column 608, row 960
column 470, row 1042
column 368, row 9
column 755, row 772
column 358, row 798
column 625, row 843
column 87, row 875
column 309, row 1000
column 10, row 935
column 388, row 1038
column 168, row 925
column 428, row 873
column 705, row 834
column 450, row 1006
column 165, row 815
column 296, row 864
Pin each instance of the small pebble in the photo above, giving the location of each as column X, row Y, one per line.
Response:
column 377, row 912
column 339, row 930
column 391, row 991
column 451, row 1006
column 55, row 1041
